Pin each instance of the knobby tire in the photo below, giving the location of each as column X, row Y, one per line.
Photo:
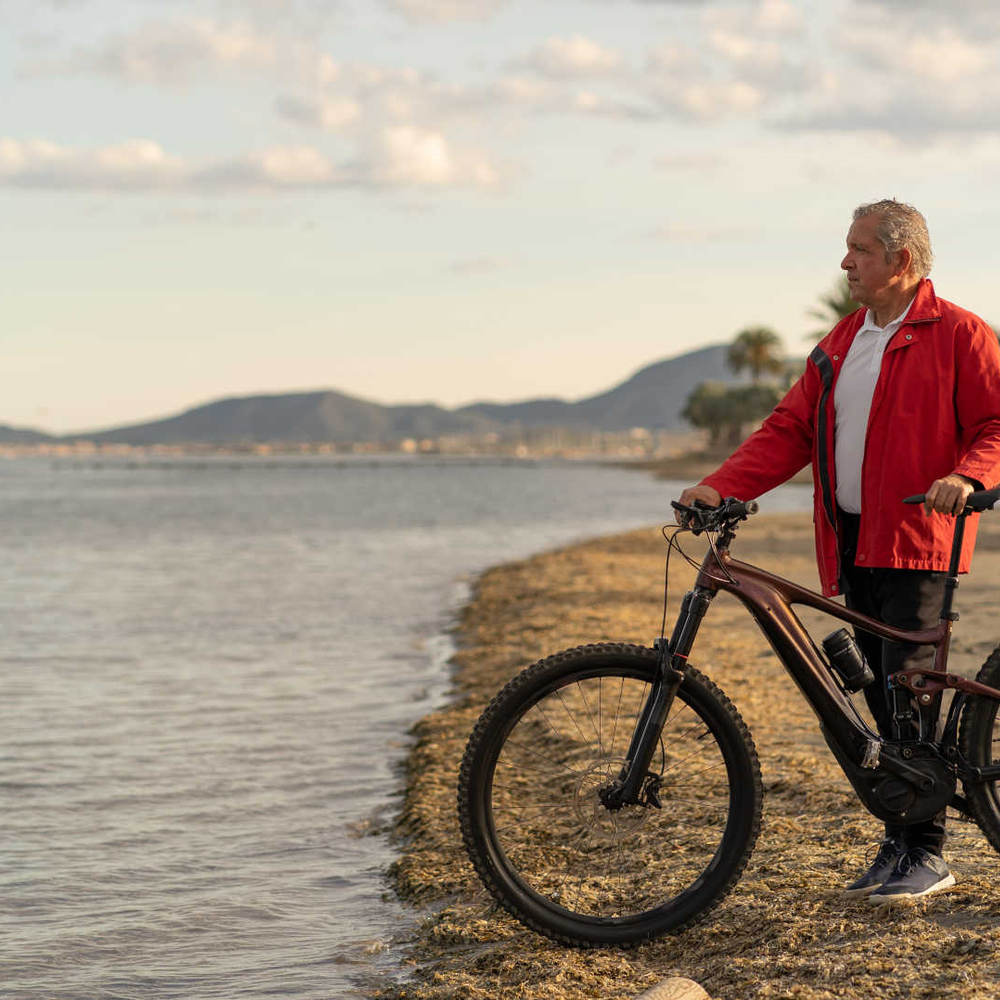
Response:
column 546, row 847
column 979, row 744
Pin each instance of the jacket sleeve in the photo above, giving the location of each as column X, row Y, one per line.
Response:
column 977, row 401
column 781, row 447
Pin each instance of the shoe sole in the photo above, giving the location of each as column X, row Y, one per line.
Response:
column 906, row 897
column 861, row 893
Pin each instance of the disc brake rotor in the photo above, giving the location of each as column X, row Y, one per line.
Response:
column 602, row 824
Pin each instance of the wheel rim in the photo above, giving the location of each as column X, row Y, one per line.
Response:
column 561, row 845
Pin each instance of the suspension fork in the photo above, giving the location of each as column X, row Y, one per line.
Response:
column 673, row 663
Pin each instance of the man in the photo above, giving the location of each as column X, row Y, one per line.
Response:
column 901, row 397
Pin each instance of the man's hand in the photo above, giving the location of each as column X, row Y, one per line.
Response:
column 948, row 495
column 704, row 493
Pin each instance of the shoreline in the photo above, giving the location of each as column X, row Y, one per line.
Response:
column 785, row 930
column 692, row 467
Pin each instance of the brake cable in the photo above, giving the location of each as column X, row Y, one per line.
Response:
column 672, row 544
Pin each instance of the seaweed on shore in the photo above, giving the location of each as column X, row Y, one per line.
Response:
column 786, row 930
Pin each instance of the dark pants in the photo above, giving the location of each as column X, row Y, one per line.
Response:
column 908, row 599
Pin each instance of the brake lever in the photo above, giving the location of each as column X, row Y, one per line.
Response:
column 693, row 519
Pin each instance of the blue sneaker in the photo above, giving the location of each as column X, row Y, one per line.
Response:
column 889, row 852
column 917, row 873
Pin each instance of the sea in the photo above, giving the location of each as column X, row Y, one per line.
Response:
column 209, row 670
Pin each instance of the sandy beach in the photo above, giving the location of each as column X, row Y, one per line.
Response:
column 786, row 930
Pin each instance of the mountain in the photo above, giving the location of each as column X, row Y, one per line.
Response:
column 653, row 397
column 301, row 416
column 22, row 435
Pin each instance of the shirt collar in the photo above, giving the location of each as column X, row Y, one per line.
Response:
column 892, row 326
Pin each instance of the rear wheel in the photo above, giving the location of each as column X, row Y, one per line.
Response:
column 979, row 742
column 538, row 833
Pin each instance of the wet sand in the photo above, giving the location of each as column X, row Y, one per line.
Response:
column 785, row 930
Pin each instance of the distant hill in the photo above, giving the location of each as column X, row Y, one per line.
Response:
column 22, row 435
column 302, row 416
column 653, row 397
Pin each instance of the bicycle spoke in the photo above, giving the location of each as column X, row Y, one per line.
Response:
column 683, row 735
column 586, row 705
column 600, row 717
column 572, row 717
column 546, row 815
column 537, row 708
column 618, row 708
column 705, row 770
column 536, row 753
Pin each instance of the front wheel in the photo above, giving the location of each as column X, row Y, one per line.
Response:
column 544, row 843
column 979, row 743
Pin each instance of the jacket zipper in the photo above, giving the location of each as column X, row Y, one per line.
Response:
column 825, row 366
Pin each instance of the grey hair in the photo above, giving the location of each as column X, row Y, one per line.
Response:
column 901, row 225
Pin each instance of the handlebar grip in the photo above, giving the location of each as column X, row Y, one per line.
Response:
column 701, row 516
column 979, row 501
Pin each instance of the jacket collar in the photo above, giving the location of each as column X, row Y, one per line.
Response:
column 924, row 310
column 925, row 307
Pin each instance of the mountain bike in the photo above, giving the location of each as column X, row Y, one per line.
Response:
column 612, row 793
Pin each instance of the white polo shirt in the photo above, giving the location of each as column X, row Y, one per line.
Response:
column 852, row 402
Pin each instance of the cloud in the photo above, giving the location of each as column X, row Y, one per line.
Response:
column 942, row 54
column 403, row 155
column 911, row 78
column 364, row 96
column 183, row 51
column 949, row 112
column 400, row 156
column 708, row 102
column 134, row 165
column 175, row 52
column 676, row 61
column 574, row 56
column 299, row 15
column 319, row 112
column 445, row 10
column 954, row 6
column 779, row 16
column 292, row 16
column 276, row 168
column 684, row 83
column 880, row 69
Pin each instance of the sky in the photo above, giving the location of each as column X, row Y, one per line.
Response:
column 458, row 200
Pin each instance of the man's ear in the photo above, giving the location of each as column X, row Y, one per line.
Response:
column 903, row 260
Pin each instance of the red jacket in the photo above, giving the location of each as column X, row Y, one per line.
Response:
column 936, row 410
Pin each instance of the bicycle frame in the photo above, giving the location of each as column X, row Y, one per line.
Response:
column 901, row 781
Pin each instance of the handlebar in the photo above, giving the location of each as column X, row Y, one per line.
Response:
column 978, row 501
column 701, row 517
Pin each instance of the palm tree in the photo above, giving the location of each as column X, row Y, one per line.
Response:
column 757, row 349
column 834, row 305
column 706, row 408
column 748, row 404
column 724, row 410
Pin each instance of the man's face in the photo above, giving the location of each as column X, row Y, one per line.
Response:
column 869, row 276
